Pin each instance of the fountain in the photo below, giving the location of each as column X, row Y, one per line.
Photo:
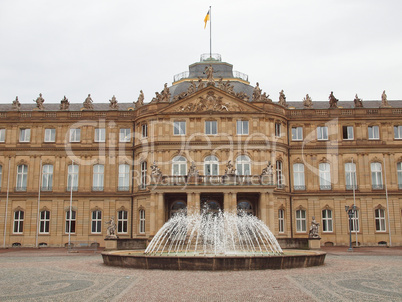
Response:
column 214, row 240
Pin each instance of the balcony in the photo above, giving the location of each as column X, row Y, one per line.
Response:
column 46, row 189
column 377, row 187
column 20, row 189
column 400, row 186
column 97, row 189
column 350, row 187
column 325, row 187
column 123, row 188
column 75, row 189
column 299, row 188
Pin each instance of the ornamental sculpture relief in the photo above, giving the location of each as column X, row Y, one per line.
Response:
column 209, row 71
column 210, row 102
column 358, row 102
column 39, row 102
column 258, row 96
column 333, row 101
column 16, row 104
column 140, row 100
column 164, row 96
column 307, row 102
column 113, row 103
column 230, row 169
column 88, row 103
column 64, row 104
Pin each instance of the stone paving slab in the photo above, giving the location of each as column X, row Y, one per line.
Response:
column 367, row 274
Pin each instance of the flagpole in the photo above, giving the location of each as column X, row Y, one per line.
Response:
column 210, row 32
column 386, row 196
column 354, row 194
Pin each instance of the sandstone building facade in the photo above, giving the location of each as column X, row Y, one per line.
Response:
column 209, row 139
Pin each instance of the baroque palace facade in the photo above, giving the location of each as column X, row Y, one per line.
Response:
column 209, row 139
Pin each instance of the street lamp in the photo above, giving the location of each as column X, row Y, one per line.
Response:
column 351, row 212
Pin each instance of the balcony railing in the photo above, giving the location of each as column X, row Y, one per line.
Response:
column 325, row 187
column 46, row 189
column 350, row 187
column 20, row 189
column 299, row 188
column 68, row 189
column 377, row 187
column 97, row 189
column 123, row 188
column 400, row 186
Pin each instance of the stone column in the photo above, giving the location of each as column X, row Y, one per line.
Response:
column 197, row 201
column 161, row 210
column 263, row 207
column 271, row 211
column 152, row 215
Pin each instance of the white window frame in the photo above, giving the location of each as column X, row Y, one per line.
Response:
column 18, row 223
column 211, row 165
column 281, row 221
column 96, row 222
column 100, row 135
column 350, row 176
column 75, row 135
column 376, row 175
column 355, row 223
column 125, row 135
column 398, row 132
column 298, row 175
column 98, row 177
column 124, row 177
column 122, row 222
column 73, row 222
column 297, row 133
column 211, row 127
column 278, row 130
column 242, row 127
column 243, row 165
column 47, row 178
column 325, row 175
column 22, row 178
column 72, row 173
column 50, row 135
column 25, row 135
column 179, row 166
column 44, row 222
column 327, row 221
column 279, row 173
column 322, row 133
column 141, row 226
column 179, row 127
column 2, row 135
column 1, row 175
column 143, row 182
column 373, row 132
column 380, row 225
column 301, row 221
column 348, row 130
column 144, row 130
column 399, row 172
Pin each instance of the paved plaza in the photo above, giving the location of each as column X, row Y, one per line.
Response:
column 367, row 274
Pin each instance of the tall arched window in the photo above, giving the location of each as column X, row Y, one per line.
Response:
column 211, row 165
column 22, row 178
column 179, row 165
column 18, row 222
column 142, row 221
column 279, row 175
column 399, row 171
column 143, row 175
column 376, row 176
column 325, row 176
column 178, row 207
column 243, row 164
column 44, row 222
column 245, row 207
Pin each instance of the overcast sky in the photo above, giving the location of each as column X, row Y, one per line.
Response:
column 118, row 47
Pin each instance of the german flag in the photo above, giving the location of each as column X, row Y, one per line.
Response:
column 206, row 19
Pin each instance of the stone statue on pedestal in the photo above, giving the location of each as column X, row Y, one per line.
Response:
column 333, row 101
column 358, row 102
column 64, row 104
column 111, row 229
column 88, row 103
column 313, row 233
column 16, row 104
column 39, row 102
column 113, row 103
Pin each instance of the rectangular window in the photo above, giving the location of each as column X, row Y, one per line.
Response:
column 144, row 130
column 373, row 132
column 72, row 178
column 355, row 222
column 142, row 221
column 22, row 178
column 25, row 135
column 18, row 222
column 1, row 175
column 179, row 128
column 298, row 177
column 242, row 127
column 122, row 222
column 380, row 220
column 96, row 222
column 301, row 221
column 211, row 127
column 297, row 133
column 47, row 178
column 50, row 135
column 399, row 171
column 327, row 221
column 278, row 129
column 325, row 176
column 397, row 132
column 143, row 175
column 124, row 177
column 125, row 135
column 2, row 135
column 376, row 176
column 347, row 132
column 44, row 222
column 322, row 133
column 350, row 176
column 100, row 135
column 279, row 174
column 75, row 135
column 281, row 221
column 97, row 183
column 70, row 223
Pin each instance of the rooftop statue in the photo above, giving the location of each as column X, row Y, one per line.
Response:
column 257, row 93
column 221, row 85
column 39, row 102
column 140, row 100
column 333, row 101
column 16, row 104
column 192, row 88
column 200, row 83
column 165, row 94
column 265, row 98
column 282, row 99
column 113, row 103
column 64, row 104
column 88, row 103
column 209, row 71
column 384, row 101
column 307, row 102
column 358, row 102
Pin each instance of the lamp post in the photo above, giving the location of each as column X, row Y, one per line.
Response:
column 351, row 212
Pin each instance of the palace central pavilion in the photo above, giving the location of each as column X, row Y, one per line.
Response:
column 211, row 139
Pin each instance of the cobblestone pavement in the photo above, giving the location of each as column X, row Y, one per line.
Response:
column 367, row 274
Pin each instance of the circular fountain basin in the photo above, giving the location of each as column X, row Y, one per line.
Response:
column 182, row 261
